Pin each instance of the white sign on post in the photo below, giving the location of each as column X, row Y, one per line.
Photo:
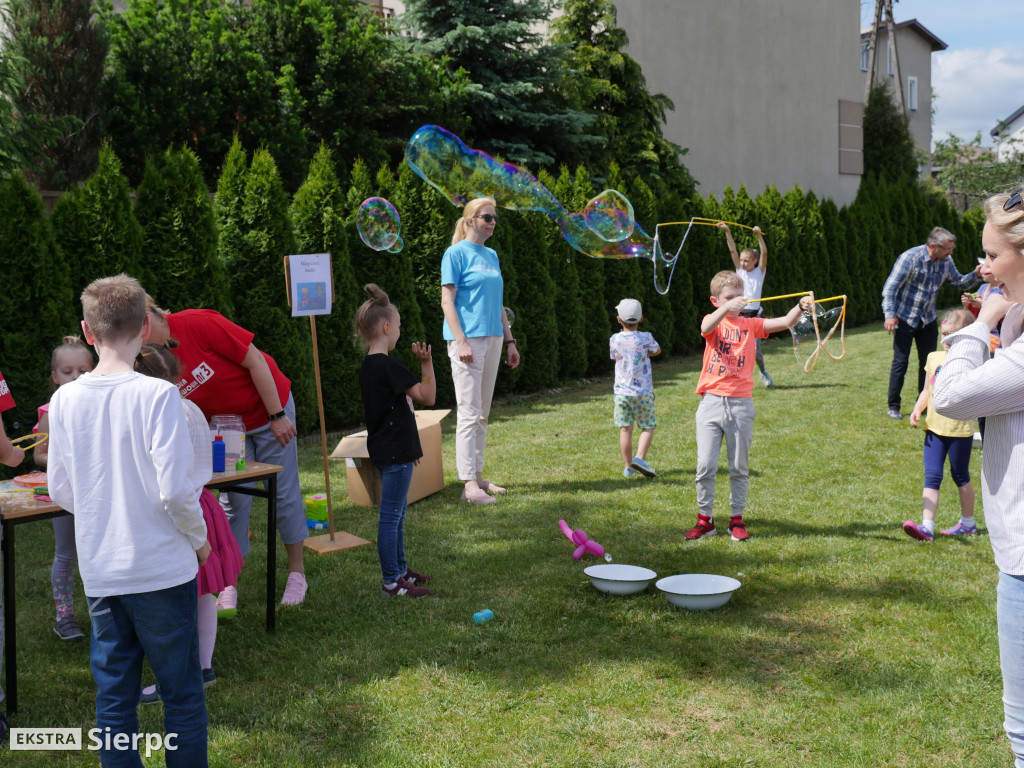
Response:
column 310, row 283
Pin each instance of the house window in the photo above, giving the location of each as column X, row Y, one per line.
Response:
column 865, row 55
column 888, row 57
column 912, row 92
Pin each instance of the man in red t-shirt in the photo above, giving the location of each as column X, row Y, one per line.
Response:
column 223, row 372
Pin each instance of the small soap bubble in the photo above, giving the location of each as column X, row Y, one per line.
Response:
column 510, row 315
column 397, row 245
column 607, row 557
column 379, row 225
column 610, row 216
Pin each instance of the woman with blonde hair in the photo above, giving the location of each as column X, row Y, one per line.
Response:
column 476, row 328
column 973, row 383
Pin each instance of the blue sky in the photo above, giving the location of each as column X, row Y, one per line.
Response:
column 979, row 79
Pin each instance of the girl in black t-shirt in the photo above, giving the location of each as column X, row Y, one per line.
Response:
column 388, row 388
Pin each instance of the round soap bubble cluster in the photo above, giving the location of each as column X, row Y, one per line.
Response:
column 610, row 216
column 510, row 316
column 605, row 229
column 379, row 225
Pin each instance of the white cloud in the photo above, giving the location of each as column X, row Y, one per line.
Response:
column 975, row 89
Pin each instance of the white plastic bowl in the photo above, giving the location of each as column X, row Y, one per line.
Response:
column 698, row 591
column 619, row 578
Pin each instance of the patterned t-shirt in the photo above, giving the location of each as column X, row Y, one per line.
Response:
column 631, row 351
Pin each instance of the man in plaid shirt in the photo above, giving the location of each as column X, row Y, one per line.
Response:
column 908, row 303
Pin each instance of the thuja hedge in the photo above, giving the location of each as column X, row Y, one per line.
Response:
column 226, row 253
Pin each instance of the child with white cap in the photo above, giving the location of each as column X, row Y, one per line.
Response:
column 634, row 386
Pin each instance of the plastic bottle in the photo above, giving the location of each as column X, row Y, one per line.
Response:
column 219, row 453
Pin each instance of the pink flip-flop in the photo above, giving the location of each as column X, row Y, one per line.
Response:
column 478, row 496
column 295, row 589
column 487, row 485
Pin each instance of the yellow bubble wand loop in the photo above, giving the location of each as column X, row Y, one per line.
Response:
column 39, row 438
column 703, row 221
column 812, row 359
column 658, row 255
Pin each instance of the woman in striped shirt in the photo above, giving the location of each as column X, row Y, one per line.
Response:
column 973, row 384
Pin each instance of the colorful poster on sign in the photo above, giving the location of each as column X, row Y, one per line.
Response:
column 310, row 285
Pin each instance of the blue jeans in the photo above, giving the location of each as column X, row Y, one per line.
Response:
column 261, row 445
column 162, row 626
column 1010, row 615
column 926, row 337
column 394, row 501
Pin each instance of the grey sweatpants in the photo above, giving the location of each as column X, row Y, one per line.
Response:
column 733, row 419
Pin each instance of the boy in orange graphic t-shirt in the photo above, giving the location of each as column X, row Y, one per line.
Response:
column 726, row 409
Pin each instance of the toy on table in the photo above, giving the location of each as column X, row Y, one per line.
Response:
column 583, row 544
column 31, row 480
column 218, row 454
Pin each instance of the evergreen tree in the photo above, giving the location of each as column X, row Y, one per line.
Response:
column 572, row 344
column 393, row 272
column 61, row 51
column 317, row 213
column 888, row 146
column 173, row 206
column 599, row 317
column 37, row 307
column 364, row 259
column 257, row 236
column 513, row 103
column 530, row 293
column 659, row 316
column 622, row 276
column 23, row 138
column 96, row 227
column 185, row 73
column 428, row 220
column 609, row 83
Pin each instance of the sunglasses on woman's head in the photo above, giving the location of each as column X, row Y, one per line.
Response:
column 493, row 217
column 1014, row 201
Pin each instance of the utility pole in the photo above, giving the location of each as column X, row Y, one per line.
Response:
column 890, row 22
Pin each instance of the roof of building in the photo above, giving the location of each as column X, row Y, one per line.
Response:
column 1003, row 124
column 913, row 24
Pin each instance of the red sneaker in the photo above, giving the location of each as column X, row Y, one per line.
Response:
column 738, row 529
column 404, row 588
column 705, row 527
column 419, row 579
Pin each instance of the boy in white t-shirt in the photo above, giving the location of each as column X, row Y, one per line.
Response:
column 751, row 266
column 634, row 386
column 121, row 462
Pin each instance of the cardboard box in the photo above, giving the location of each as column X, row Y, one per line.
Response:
column 363, row 478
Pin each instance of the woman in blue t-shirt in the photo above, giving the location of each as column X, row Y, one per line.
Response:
column 476, row 328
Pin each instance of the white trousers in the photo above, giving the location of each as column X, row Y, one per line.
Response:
column 474, row 389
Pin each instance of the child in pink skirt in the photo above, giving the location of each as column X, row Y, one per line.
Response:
column 225, row 562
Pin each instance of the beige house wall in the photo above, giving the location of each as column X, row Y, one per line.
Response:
column 915, row 60
column 756, row 86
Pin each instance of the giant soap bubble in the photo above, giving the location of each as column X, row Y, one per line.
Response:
column 462, row 174
column 610, row 216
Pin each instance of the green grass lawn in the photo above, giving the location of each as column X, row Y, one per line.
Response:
column 849, row 644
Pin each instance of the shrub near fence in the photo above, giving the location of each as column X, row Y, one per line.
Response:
column 564, row 301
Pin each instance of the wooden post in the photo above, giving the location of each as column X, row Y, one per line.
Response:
column 330, row 543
